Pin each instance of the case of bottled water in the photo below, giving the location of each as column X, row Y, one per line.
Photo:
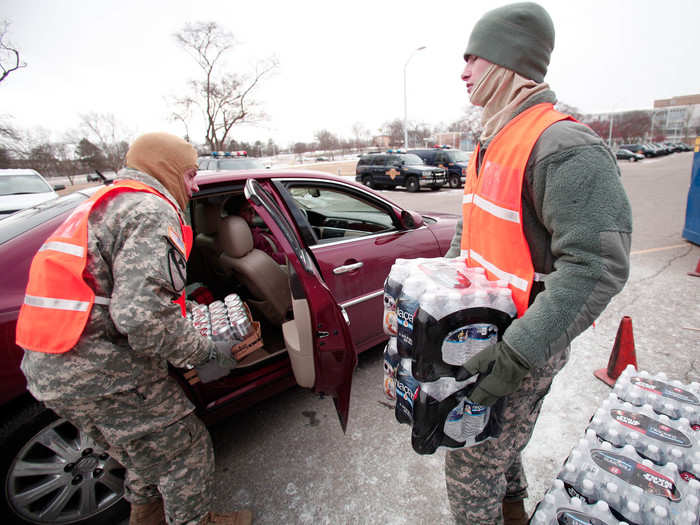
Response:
column 672, row 398
column 439, row 313
column 654, row 436
column 636, row 490
column 558, row 507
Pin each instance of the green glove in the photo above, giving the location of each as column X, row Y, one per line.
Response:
column 500, row 371
column 219, row 364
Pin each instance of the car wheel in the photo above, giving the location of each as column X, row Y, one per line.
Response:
column 368, row 181
column 455, row 181
column 54, row 473
column 412, row 184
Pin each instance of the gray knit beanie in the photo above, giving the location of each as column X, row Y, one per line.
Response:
column 519, row 37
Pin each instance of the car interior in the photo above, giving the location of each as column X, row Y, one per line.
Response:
column 225, row 260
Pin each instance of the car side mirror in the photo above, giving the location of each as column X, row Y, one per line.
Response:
column 59, row 187
column 411, row 220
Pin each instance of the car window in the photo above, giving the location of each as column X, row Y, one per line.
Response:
column 457, row 156
column 410, row 159
column 338, row 215
column 19, row 184
column 379, row 160
column 239, row 164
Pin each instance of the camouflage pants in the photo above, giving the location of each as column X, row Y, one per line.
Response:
column 480, row 478
column 152, row 432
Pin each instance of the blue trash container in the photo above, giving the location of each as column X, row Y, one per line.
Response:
column 691, row 231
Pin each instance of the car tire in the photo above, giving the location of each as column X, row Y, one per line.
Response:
column 633, row 159
column 455, row 181
column 368, row 181
column 412, row 184
column 26, row 437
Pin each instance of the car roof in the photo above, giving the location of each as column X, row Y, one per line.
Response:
column 18, row 171
column 207, row 178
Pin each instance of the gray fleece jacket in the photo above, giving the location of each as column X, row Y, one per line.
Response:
column 578, row 223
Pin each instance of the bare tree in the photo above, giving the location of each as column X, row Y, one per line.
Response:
column 104, row 131
column 225, row 99
column 470, row 123
column 9, row 56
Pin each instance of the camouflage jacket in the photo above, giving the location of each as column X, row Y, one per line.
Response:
column 129, row 343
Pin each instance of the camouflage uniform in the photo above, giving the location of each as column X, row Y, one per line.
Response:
column 479, row 478
column 114, row 383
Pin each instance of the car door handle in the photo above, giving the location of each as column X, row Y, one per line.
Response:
column 347, row 268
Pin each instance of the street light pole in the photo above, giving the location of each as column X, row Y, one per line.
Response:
column 405, row 104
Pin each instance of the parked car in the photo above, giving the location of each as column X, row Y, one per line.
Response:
column 453, row 160
column 22, row 188
column 642, row 149
column 625, row 154
column 228, row 160
column 339, row 240
column 398, row 168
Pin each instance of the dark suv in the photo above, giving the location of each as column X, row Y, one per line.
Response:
column 391, row 169
column 453, row 160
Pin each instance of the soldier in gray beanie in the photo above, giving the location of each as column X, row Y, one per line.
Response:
column 549, row 189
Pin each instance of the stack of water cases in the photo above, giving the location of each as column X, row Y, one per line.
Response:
column 640, row 457
column 439, row 313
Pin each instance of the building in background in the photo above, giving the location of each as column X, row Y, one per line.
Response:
column 676, row 119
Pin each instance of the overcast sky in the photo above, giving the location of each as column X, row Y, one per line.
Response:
column 341, row 63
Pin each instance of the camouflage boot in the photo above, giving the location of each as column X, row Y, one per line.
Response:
column 514, row 513
column 150, row 513
column 241, row 517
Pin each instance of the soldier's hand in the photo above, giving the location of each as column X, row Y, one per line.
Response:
column 220, row 363
column 500, row 371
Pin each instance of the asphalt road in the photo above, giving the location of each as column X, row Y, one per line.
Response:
column 288, row 460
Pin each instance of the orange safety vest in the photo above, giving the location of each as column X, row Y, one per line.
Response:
column 492, row 234
column 58, row 301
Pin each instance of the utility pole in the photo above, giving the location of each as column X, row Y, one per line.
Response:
column 405, row 104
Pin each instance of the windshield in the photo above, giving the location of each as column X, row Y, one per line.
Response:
column 410, row 159
column 239, row 164
column 26, row 183
column 458, row 156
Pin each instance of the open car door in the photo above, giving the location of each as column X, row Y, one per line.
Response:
column 318, row 340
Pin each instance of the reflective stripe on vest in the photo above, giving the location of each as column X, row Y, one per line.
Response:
column 58, row 301
column 492, row 232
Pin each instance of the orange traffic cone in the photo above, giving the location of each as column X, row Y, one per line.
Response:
column 623, row 354
column 696, row 273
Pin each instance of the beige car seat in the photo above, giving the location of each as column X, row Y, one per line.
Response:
column 267, row 282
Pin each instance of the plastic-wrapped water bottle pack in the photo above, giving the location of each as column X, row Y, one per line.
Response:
column 560, row 507
column 654, row 436
column 636, row 490
column 439, row 313
column 671, row 398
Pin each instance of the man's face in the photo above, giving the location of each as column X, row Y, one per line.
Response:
column 473, row 71
column 190, row 184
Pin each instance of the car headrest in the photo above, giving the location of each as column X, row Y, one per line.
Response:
column 235, row 237
column 206, row 218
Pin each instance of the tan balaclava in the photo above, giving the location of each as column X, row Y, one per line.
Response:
column 501, row 91
column 166, row 158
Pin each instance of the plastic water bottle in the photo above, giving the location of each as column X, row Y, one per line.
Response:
column 406, row 310
column 391, row 364
column 407, row 390
column 392, row 291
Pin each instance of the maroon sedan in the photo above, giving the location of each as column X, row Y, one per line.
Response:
column 308, row 252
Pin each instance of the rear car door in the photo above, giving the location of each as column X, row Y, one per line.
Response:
column 355, row 237
column 318, row 339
